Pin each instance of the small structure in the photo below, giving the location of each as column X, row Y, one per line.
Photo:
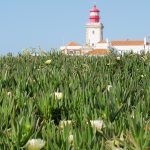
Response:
column 72, row 48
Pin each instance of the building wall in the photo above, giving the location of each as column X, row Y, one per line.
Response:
column 126, row 49
column 147, row 48
column 93, row 33
column 71, row 50
column 70, row 47
column 102, row 46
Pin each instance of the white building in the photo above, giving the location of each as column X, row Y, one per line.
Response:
column 126, row 46
column 72, row 48
column 96, row 45
column 94, row 29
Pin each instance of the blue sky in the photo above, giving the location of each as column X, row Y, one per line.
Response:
column 52, row 23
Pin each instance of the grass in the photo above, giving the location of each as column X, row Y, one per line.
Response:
column 30, row 110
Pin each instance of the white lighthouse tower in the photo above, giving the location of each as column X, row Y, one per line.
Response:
column 94, row 29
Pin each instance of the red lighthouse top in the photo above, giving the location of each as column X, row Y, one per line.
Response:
column 94, row 15
column 94, row 9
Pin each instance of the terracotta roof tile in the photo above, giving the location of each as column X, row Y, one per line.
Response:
column 99, row 52
column 127, row 43
column 72, row 44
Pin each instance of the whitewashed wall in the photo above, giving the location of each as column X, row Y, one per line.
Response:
column 70, row 47
column 126, row 49
column 102, row 46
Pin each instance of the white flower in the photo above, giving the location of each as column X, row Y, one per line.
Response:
column 108, row 64
column 34, row 81
column 121, row 137
column 64, row 123
column 58, row 95
column 109, row 87
column 118, row 58
column 9, row 94
column 35, row 144
column 132, row 115
column 70, row 139
column 142, row 76
column 47, row 62
column 97, row 124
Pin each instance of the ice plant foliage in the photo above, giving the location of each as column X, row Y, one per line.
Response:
column 113, row 145
column 35, row 144
column 54, row 100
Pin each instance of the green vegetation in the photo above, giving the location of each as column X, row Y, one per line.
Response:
column 115, row 90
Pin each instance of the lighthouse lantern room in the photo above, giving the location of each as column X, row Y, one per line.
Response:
column 94, row 29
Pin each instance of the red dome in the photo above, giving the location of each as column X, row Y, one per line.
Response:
column 94, row 9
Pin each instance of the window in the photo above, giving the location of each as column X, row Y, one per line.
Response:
column 71, row 52
column 92, row 44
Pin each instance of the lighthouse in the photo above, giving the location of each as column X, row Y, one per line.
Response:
column 94, row 28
